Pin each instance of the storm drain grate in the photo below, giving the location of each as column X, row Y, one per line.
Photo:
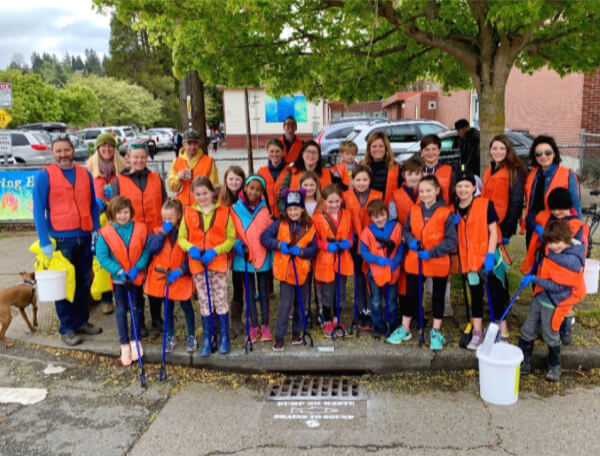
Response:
column 316, row 388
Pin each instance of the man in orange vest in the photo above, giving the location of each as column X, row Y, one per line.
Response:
column 190, row 163
column 65, row 208
column 292, row 144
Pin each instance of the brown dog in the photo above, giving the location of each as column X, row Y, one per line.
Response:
column 19, row 296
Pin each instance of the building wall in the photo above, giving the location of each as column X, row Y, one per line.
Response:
column 453, row 106
column 591, row 103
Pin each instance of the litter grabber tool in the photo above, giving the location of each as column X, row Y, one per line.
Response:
column 248, row 342
column 468, row 331
column 420, row 304
column 213, row 335
column 162, row 373
column 338, row 326
column 489, row 298
column 143, row 381
column 354, row 325
column 305, row 334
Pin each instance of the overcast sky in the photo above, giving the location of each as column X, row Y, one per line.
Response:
column 57, row 26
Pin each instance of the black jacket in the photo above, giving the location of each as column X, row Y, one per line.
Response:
column 469, row 151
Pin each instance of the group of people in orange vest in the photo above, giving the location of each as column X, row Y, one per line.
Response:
column 390, row 226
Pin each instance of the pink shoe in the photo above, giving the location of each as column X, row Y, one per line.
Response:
column 134, row 353
column 327, row 328
column 254, row 334
column 265, row 334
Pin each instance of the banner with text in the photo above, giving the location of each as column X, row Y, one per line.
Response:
column 16, row 195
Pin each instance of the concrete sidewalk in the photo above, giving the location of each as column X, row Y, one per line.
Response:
column 352, row 354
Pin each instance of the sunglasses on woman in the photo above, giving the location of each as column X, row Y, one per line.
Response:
column 547, row 153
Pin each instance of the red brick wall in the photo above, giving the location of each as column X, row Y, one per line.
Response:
column 427, row 113
column 590, row 116
column 453, row 106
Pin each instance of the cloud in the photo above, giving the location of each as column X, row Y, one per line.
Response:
column 52, row 30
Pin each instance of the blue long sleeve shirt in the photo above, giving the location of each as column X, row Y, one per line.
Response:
column 380, row 233
column 41, row 212
column 156, row 242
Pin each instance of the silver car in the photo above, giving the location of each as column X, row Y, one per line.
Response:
column 31, row 147
column 333, row 134
column 162, row 136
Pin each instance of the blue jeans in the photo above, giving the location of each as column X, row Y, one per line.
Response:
column 188, row 311
column 378, row 301
column 263, row 293
column 78, row 250
column 122, row 307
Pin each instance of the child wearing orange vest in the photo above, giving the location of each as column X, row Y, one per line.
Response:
column 273, row 173
column 207, row 233
column 292, row 238
column 381, row 247
column 334, row 239
column 560, row 208
column 309, row 181
column 251, row 218
column 170, row 267
column 405, row 196
column 342, row 172
column 121, row 250
column 478, row 237
column 430, row 235
column 356, row 201
column 559, row 285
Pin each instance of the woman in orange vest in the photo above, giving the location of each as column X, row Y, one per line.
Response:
column 357, row 200
column 251, row 218
column 169, row 266
column 207, row 233
column 430, row 234
column 309, row 160
column 385, row 172
column 121, row 250
column 147, row 193
column 334, row 239
column 546, row 175
column 291, row 238
column 273, row 174
column 478, row 237
column 503, row 184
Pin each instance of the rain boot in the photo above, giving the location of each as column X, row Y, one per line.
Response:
column 224, row 346
column 565, row 330
column 527, row 349
column 237, row 328
column 553, row 374
column 205, row 350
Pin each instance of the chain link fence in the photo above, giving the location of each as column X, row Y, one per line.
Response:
column 589, row 158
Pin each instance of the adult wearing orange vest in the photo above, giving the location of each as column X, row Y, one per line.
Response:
column 503, row 184
column 104, row 165
column 385, row 172
column 309, row 160
column 273, row 174
column 292, row 144
column 147, row 193
column 190, row 163
column 65, row 208
column 546, row 175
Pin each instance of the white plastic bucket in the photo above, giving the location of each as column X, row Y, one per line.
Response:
column 499, row 371
column 590, row 275
column 51, row 285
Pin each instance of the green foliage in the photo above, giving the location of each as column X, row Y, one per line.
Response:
column 79, row 104
column 213, row 100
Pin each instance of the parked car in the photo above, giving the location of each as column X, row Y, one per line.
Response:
column 403, row 134
column 50, row 127
column 124, row 134
column 330, row 138
column 31, row 147
column 89, row 135
column 81, row 149
column 357, row 120
column 162, row 136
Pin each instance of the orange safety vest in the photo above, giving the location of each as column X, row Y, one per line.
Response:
column 444, row 177
column 535, row 242
column 473, row 236
column 202, row 168
column 290, row 156
column 326, row 263
column 251, row 235
column 403, row 203
column 324, row 178
column 391, row 183
column 205, row 240
column 282, row 266
column 169, row 258
column 342, row 172
column 273, row 187
column 382, row 274
column 99, row 183
column 562, row 276
column 496, row 187
column 69, row 205
column 359, row 214
column 126, row 255
column 147, row 204
column 430, row 235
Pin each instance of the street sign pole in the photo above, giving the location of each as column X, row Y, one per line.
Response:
column 6, row 95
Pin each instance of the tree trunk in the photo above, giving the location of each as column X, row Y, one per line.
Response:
column 248, row 132
column 192, row 85
column 491, row 117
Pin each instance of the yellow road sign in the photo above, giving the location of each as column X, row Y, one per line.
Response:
column 5, row 118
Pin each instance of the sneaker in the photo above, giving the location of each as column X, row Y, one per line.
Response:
column 170, row 346
column 191, row 344
column 265, row 334
column 401, row 334
column 476, row 340
column 254, row 334
column 364, row 323
column 296, row 339
column 436, row 340
column 71, row 339
column 107, row 308
column 125, row 355
column 327, row 328
column 88, row 329
column 278, row 345
column 134, row 352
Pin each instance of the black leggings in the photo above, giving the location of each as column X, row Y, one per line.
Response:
column 411, row 301
column 498, row 293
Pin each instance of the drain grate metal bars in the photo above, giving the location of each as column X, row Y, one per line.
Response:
column 316, row 388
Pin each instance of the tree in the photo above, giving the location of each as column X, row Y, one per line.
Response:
column 213, row 99
column 92, row 63
column 358, row 49
column 18, row 63
column 79, row 104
